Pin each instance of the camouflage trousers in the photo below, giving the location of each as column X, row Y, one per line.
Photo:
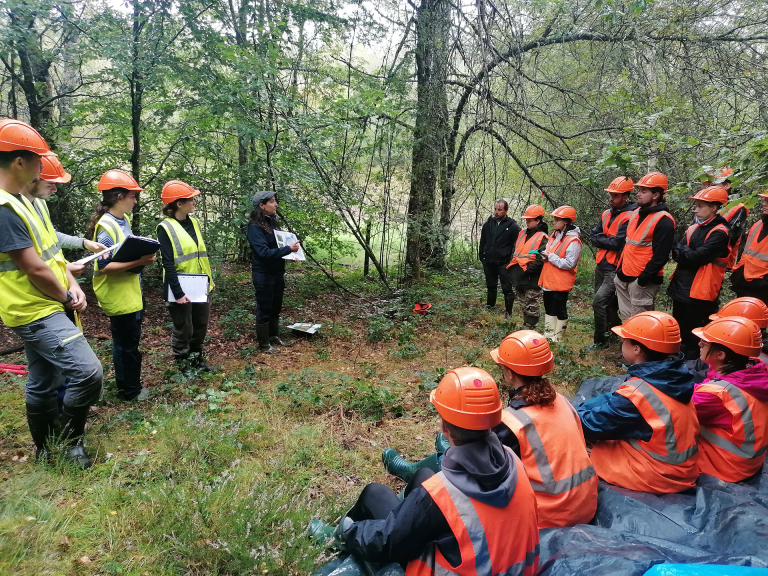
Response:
column 530, row 300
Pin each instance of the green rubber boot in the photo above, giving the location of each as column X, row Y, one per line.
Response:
column 441, row 443
column 400, row 467
column 320, row 532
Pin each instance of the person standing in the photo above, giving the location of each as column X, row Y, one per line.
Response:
column 735, row 217
column 267, row 269
column 497, row 239
column 558, row 276
column 116, row 284
column 183, row 251
column 750, row 275
column 37, row 289
column 649, row 240
column 527, row 262
column 608, row 237
column 702, row 257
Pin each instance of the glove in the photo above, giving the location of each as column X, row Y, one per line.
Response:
column 642, row 281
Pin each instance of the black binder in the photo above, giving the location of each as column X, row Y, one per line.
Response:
column 133, row 248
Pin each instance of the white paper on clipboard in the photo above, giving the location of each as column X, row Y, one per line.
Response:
column 195, row 287
column 93, row 257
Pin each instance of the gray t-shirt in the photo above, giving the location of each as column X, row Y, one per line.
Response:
column 15, row 235
column 106, row 239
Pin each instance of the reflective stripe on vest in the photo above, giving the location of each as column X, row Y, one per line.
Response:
column 118, row 293
column 179, row 257
column 754, row 259
column 644, row 239
column 709, row 278
column 522, row 255
column 638, row 249
column 552, row 277
column 611, row 229
column 53, row 249
column 188, row 256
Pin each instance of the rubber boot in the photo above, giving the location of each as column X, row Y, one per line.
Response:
column 274, row 333
column 550, row 323
column 441, row 443
column 197, row 360
column 183, row 364
column 41, row 420
column 530, row 322
column 400, row 467
column 262, row 335
column 319, row 531
column 560, row 330
column 509, row 301
column 72, row 430
column 490, row 298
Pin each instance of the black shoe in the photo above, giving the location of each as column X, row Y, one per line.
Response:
column 76, row 455
column 198, row 362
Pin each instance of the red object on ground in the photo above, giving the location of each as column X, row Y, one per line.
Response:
column 13, row 369
column 422, row 308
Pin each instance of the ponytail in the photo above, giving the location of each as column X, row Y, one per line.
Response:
column 109, row 199
column 537, row 390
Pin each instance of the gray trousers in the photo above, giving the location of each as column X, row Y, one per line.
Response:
column 56, row 351
column 605, row 304
column 634, row 298
column 190, row 325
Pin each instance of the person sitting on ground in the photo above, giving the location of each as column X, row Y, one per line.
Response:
column 527, row 262
column 558, row 276
column 543, row 428
column 732, row 404
column 644, row 434
column 476, row 516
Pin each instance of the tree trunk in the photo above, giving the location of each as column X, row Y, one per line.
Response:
column 428, row 156
column 137, row 96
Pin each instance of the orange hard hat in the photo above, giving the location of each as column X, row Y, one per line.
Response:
column 712, row 194
column 177, row 190
column 655, row 330
column 534, row 211
column 621, row 185
column 15, row 135
column 745, row 307
column 468, row 397
column 738, row 334
column 525, row 352
column 565, row 212
column 53, row 171
column 653, row 180
column 118, row 179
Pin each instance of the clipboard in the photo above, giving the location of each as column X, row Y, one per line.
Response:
column 195, row 286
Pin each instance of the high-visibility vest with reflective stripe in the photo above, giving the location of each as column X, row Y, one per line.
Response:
column 492, row 541
column 709, row 278
column 188, row 257
column 611, row 229
column 736, row 453
column 754, row 259
column 552, row 277
column 734, row 253
column 118, row 293
column 555, row 457
column 638, row 248
column 20, row 300
column 665, row 464
column 522, row 255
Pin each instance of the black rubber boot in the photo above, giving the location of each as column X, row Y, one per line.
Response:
column 490, row 298
column 41, row 420
column 530, row 321
column 72, row 430
column 274, row 332
column 262, row 335
column 509, row 302
column 197, row 361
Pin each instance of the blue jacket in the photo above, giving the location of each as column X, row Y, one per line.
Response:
column 266, row 257
column 614, row 417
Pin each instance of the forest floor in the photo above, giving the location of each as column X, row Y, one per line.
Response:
column 220, row 474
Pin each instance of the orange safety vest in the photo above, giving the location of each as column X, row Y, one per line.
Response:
column 552, row 277
column 668, row 462
column 638, row 249
column 737, row 453
column 611, row 230
column 755, row 256
column 734, row 253
column 709, row 278
column 491, row 540
column 555, row 457
column 522, row 256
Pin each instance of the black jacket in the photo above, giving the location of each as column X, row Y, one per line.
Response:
column 266, row 258
column 497, row 245
column 692, row 256
column 166, row 253
column 663, row 239
column 757, row 288
column 529, row 278
column 599, row 239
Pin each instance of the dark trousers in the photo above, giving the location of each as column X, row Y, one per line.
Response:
column 495, row 273
column 376, row 501
column 269, row 295
column 126, row 333
column 690, row 315
column 605, row 305
column 190, row 325
column 555, row 304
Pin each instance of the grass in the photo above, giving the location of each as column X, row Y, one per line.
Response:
column 221, row 474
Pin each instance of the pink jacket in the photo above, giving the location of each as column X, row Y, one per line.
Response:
column 710, row 410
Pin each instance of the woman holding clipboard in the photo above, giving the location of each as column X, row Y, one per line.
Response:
column 267, row 270
column 183, row 251
column 118, row 284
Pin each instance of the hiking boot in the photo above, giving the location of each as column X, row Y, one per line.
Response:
column 76, row 455
column 198, row 362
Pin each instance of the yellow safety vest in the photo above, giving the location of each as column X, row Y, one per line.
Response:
column 21, row 301
column 118, row 293
column 188, row 257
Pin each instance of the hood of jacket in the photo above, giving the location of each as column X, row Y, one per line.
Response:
column 670, row 376
column 571, row 230
column 482, row 470
column 541, row 227
column 753, row 379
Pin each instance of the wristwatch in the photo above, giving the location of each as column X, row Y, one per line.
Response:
column 69, row 298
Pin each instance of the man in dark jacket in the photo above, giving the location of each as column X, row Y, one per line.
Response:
column 497, row 240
